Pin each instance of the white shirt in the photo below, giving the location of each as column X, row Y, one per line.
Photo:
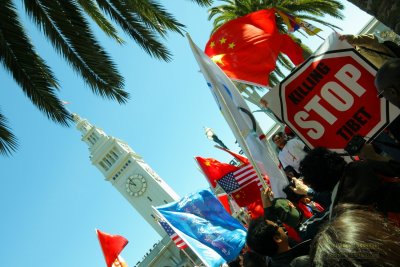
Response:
column 292, row 153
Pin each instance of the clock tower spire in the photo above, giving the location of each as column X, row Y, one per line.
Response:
column 126, row 171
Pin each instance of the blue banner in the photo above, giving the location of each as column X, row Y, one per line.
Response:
column 204, row 224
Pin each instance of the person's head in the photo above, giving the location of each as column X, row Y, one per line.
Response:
column 251, row 259
column 356, row 237
column 266, row 237
column 238, row 262
column 387, row 81
column 322, row 169
column 279, row 139
column 291, row 172
column 287, row 212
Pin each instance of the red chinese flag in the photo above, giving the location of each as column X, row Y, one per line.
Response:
column 247, row 48
column 111, row 245
column 240, row 158
column 248, row 194
column 224, row 199
column 213, row 169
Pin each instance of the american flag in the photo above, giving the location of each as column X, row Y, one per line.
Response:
column 240, row 178
column 174, row 236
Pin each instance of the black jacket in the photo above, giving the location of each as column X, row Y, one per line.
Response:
column 285, row 259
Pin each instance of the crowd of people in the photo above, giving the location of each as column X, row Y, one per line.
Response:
column 337, row 212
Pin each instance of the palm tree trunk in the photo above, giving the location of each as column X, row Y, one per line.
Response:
column 386, row 11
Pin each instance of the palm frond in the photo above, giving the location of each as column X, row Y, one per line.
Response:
column 273, row 79
column 62, row 22
column 154, row 16
column 321, row 21
column 203, row 3
column 135, row 28
column 28, row 69
column 8, row 141
column 315, row 7
column 91, row 8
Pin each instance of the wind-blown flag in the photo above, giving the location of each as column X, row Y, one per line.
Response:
column 241, row 121
column 213, row 169
column 289, row 21
column 240, row 178
column 241, row 183
column 177, row 240
column 240, row 158
column 294, row 23
column 206, row 227
column 247, row 48
column 112, row 245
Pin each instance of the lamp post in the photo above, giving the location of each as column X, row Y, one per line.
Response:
column 212, row 136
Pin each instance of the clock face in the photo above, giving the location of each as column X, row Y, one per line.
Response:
column 136, row 185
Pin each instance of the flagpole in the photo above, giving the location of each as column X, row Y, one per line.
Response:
column 201, row 170
column 320, row 37
column 304, row 26
column 159, row 215
column 231, row 117
column 187, row 255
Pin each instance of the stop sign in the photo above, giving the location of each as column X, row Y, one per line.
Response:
column 332, row 97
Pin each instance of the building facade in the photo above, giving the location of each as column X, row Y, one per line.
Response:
column 140, row 185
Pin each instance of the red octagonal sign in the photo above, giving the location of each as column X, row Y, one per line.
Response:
column 332, row 97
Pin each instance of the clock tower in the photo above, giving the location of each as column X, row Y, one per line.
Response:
column 127, row 172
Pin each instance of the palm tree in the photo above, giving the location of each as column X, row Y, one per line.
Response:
column 64, row 23
column 386, row 12
column 309, row 10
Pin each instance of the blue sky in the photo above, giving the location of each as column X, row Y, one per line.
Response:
column 52, row 198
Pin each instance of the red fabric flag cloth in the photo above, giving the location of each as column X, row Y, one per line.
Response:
column 247, row 195
column 240, row 158
column 112, row 245
column 213, row 169
column 255, row 209
column 224, row 199
column 247, row 48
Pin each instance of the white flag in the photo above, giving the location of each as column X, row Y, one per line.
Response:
column 241, row 121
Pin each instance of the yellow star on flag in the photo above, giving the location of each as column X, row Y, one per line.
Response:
column 218, row 59
column 212, row 44
column 231, row 45
column 223, row 40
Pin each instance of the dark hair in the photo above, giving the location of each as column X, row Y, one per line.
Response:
column 235, row 262
column 252, row 259
column 260, row 237
column 280, row 134
column 361, row 184
column 387, row 81
column 322, row 169
column 356, row 237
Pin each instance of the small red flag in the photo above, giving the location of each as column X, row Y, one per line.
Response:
column 111, row 245
column 213, row 169
column 247, row 48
